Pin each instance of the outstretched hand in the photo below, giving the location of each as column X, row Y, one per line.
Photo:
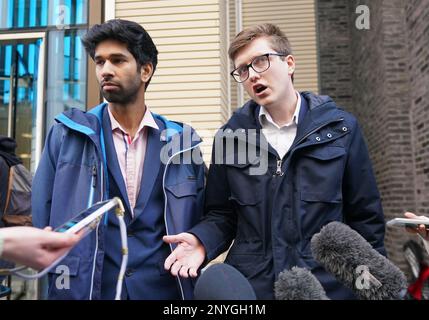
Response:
column 187, row 257
column 34, row 247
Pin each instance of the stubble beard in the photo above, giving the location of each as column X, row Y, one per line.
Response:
column 123, row 96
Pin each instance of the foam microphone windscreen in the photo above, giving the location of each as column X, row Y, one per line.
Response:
column 352, row 260
column 223, row 282
column 298, row 284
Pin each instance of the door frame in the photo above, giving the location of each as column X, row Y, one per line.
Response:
column 40, row 110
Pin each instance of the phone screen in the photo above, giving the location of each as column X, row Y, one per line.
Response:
column 86, row 218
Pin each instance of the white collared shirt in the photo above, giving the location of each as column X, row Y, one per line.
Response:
column 280, row 138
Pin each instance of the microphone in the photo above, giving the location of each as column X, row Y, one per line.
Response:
column 223, row 282
column 352, row 260
column 298, row 284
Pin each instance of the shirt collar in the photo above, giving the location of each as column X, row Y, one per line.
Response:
column 264, row 115
column 147, row 121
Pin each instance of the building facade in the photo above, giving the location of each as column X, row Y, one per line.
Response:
column 380, row 73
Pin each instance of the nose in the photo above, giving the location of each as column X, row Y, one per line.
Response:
column 253, row 75
column 107, row 70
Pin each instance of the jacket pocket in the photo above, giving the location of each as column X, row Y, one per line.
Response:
column 184, row 189
column 320, row 174
column 244, row 198
column 247, row 257
column 333, row 196
column 69, row 265
column 246, row 247
column 325, row 153
column 243, row 186
column 62, row 279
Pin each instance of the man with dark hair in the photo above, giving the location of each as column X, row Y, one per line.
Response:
column 120, row 148
column 318, row 171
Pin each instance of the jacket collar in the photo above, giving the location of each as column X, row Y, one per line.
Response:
column 316, row 111
column 322, row 108
column 90, row 123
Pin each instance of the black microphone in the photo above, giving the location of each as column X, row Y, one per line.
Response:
column 298, row 284
column 223, row 282
column 352, row 260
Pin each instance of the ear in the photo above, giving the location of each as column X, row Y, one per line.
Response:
column 291, row 64
column 146, row 72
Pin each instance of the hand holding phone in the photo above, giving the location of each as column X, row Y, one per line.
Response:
column 409, row 222
column 88, row 219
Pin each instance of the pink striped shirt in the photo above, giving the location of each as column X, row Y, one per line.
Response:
column 131, row 153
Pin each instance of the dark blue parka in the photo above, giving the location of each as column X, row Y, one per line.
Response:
column 325, row 176
column 72, row 175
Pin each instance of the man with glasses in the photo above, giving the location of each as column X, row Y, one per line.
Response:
column 318, row 171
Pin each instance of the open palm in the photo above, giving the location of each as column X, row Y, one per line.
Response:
column 187, row 257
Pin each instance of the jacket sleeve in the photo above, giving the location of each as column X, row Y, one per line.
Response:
column 43, row 181
column 218, row 226
column 362, row 204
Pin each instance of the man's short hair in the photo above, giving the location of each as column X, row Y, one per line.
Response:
column 134, row 36
column 277, row 38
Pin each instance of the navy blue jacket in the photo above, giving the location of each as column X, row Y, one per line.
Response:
column 77, row 158
column 325, row 176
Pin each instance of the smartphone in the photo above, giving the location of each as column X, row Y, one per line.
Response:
column 412, row 223
column 88, row 218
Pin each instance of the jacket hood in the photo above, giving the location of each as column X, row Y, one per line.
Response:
column 7, row 151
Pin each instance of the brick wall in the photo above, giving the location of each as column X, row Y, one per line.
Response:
column 334, row 50
column 386, row 88
column 417, row 20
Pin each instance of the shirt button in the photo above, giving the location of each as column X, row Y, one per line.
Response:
column 129, row 272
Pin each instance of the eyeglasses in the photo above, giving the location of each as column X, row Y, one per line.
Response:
column 259, row 64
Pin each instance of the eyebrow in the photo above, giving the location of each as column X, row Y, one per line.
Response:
column 246, row 64
column 113, row 55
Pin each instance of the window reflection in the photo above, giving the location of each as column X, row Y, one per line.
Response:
column 42, row 13
column 67, row 73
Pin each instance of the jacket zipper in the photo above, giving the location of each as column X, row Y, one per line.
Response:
column 92, row 186
column 90, row 203
column 94, row 176
column 279, row 172
column 165, row 206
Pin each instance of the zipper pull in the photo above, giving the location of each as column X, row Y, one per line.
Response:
column 279, row 168
column 94, row 176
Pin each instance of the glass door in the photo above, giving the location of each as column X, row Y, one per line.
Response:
column 21, row 84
